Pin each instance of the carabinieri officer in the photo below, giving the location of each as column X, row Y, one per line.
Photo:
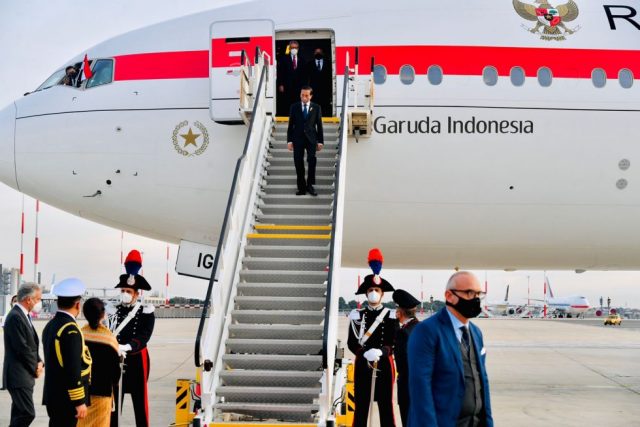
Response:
column 371, row 338
column 66, row 359
column 133, row 328
column 406, row 314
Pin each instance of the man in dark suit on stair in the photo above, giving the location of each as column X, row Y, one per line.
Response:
column 305, row 134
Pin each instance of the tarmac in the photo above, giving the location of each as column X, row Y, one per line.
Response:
column 542, row 372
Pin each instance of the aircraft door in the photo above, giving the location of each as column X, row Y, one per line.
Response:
column 228, row 40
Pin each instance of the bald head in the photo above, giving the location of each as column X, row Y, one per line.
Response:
column 463, row 280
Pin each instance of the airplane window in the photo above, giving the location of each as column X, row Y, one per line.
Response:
column 52, row 81
column 517, row 76
column 545, row 76
column 407, row 74
column 379, row 74
column 625, row 77
column 434, row 74
column 599, row 78
column 490, row 76
column 102, row 73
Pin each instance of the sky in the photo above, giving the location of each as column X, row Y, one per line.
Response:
column 38, row 36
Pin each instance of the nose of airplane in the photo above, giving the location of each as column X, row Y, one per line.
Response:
column 7, row 146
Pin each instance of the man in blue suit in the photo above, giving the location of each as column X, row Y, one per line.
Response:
column 448, row 380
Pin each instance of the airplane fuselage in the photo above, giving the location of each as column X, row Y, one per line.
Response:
column 458, row 172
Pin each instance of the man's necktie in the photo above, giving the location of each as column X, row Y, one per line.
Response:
column 319, row 65
column 465, row 337
column 295, row 62
column 305, row 112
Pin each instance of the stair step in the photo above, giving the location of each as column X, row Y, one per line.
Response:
column 277, row 153
column 294, row 219
column 279, row 143
column 253, row 378
column 271, row 346
column 292, row 199
column 278, row 317
column 300, row 290
column 290, row 190
column 292, row 229
column 273, row 362
column 291, row 240
column 281, row 276
column 291, row 180
column 301, row 252
column 321, row 171
column 262, row 411
column 320, row 161
column 293, row 264
column 298, row 209
column 269, row 394
column 279, row 303
column 248, row 331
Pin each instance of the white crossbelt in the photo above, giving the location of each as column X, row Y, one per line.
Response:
column 127, row 319
column 363, row 336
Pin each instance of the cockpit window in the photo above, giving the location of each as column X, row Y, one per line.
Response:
column 53, row 80
column 102, row 73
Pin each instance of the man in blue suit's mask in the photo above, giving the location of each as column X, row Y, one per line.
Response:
column 448, row 380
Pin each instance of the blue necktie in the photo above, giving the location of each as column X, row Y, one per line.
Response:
column 465, row 337
column 305, row 112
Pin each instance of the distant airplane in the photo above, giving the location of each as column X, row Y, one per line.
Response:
column 569, row 306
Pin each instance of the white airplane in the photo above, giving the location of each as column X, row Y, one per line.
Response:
column 570, row 306
column 504, row 132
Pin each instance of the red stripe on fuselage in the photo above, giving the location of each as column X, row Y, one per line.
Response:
column 471, row 60
column 162, row 65
column 454, row 60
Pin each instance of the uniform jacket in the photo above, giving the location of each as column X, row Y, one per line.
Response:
column 105, row 369
column 67, row 363
column 138, row 331
column 20, row 351
column 383, row 337
column 437, row 375
column 400, row 348
column 300, row 130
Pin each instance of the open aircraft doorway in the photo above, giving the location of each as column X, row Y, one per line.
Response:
column 321, row 77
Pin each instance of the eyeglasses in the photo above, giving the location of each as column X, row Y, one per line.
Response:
column 469, row 293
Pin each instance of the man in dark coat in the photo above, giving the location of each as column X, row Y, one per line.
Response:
column 372, row 333
column 319, row 76
column 406, row 314
column 22, row 363
column 67, row 360
column 133, row 325
column 290, row 77
column 305, row 134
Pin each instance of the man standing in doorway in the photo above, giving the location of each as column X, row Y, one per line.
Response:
column 22, row 362
column 305, row 134
column 449, row 386
column 290, row 78
column 319, row 72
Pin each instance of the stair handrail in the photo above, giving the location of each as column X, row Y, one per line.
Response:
column 330, row 333
column 259, row 96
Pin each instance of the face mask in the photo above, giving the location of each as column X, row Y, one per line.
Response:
column 37, row 308
column 319, row 56
column 373, row 297
column 125, row 298
column 294, row 51
column 469, row 308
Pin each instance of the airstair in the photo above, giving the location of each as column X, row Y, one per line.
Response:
column 268, row 350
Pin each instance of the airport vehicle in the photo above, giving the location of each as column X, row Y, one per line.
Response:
column 150, row 141
column 613, row 319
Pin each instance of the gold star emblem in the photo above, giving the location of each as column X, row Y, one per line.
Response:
column 190, row 138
